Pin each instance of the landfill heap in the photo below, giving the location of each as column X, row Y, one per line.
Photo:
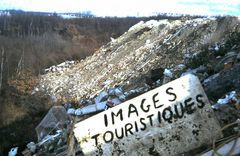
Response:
column 146, row 46
column 150, row 54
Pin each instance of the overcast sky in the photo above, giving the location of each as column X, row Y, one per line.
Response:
column 127, row 7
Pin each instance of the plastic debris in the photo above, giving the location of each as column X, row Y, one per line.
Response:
column 118, row 91
column 101, row 97
column 71, row 111
column 168, row 73
column 167, row 76
column 231, row 96
column 100, row 106
column 180, row 67
column 50, row 137
column 105, row 100
column 56, row 119
column 13, row 151
column 91, row 108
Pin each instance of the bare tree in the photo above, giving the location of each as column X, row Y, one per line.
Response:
column 20, row 64
column 1, row 72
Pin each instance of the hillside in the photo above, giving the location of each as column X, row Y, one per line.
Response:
column 206, row 47
column 167, row 48
column 144, row 47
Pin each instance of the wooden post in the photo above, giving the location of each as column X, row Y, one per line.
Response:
column 71, row 141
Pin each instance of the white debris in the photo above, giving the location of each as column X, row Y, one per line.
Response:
column 113, row 40
column 118, row 91
column 91, row 108
column 101, row 96
column 32, row 147
column 13, row 151
column 71, row 111
column 60, row 67
column 168, row 73
column 217, row 47
column 231, row 96
column 148, row 41
column 180, row 67
column 154, row 23
column 50, row 137
column 150, row 24
column 122, row 62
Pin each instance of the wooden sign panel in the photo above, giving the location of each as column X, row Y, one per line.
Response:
column 168, row 120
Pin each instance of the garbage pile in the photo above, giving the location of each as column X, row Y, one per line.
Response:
column 52, row 137
column 149, row 55
column 146, row 46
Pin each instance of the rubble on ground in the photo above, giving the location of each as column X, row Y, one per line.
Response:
column 149, row 55
column 144, row 47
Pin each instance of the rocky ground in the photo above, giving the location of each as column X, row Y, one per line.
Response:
column 148, row 55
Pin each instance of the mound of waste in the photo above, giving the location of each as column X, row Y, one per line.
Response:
column 146, row 46
column 149, row 55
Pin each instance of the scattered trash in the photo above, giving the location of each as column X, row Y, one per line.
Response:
column 232, row 96
column 50, row 137
column 167, row 76
column 168, row 73
column 32, row 147
column 179, row 67
column 120, row 70
column 60, row 67
column 105, row 100
column 101, row 97
column 91, row 108
column 198, row 125
column 217, row 47
column 56, row 119
column 195, row 71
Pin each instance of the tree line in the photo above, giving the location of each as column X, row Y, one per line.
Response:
column 31, row 41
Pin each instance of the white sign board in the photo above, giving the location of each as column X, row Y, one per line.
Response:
column 168, row 120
